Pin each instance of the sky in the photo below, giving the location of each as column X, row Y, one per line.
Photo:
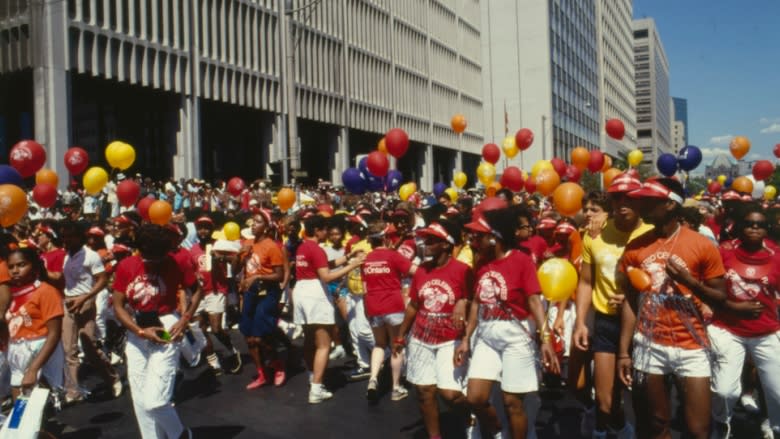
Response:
column 724, row 58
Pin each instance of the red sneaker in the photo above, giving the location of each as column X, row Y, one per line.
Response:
column 259, row 382
column 279, row 377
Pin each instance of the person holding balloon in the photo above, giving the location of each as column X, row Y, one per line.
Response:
column 598, row 300
column 668, row 273
column 503, row 319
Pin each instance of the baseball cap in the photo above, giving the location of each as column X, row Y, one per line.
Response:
column 205, row 220
column 662, row 188
column 97, row 231
column 547, row 223
column 624, row 182
column 565, row 228
column 480, row 225
column 438, row 231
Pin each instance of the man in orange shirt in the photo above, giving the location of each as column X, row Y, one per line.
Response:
column 668, row 273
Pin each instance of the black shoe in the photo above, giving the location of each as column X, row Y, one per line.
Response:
column 372, row 393
column 359, row 374
column 236, row 362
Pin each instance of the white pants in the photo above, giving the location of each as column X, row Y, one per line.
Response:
column 569, row 318
column 359, row 330
column 102, row 313
column 151, row 372
column 729, row 350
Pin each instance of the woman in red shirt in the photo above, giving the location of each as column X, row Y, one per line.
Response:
column 749, row 321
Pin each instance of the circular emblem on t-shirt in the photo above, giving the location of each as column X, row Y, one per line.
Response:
column 491, row 287
column 435, row 294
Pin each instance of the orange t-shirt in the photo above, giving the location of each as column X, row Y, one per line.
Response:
column 5, row 276
column 669, row 321
column 31, row 308
column 266, row 255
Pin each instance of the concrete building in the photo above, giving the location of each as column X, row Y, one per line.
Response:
column 653, row 102
column 616, row 64
column 198, row 86
column 541, row 71
column 681, row 113
column 678, row 136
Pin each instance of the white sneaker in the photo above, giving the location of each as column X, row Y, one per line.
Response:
column 116, row 388
column 766, row 430
column 337, row 353
column 297, row 332
column 749, row 403
column 318, row 393
column 399, row 393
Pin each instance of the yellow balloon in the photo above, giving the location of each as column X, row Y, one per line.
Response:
column 486, row 173
column 406, row 191
column 460, row 179
column 770, row 192
column 558, row 279
column 120, row 155
column 721, row 179
column 452, row 193
column 94, row 180
column 509, row 145
column 635, row 158
column 540, row 166
column 709, row 180
column 232, row 231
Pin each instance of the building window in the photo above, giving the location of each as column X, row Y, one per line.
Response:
column 642, row 33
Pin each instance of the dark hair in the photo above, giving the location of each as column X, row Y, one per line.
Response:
column 31, row 255
column 692, row 216
column 376, row 228
column 8, row 242
column 312, row 223
column 599, row 198
column 77, row 227
column 506, row 193
column 453, row 228
column 503, row 222
column 153, row 241
column 521, row 211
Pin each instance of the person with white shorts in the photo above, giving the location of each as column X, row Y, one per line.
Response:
column 435, row 316
column 506, row 298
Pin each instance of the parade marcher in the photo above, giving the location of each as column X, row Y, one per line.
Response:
column 749, row 321
column 146, row 285
column 52, row 253
column 313, row 307
column 507, row 297
column 597, row 326
column 679, row 269
column 435, row 315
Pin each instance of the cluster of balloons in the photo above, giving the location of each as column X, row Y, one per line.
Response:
column 687, row 160
column 373, row 172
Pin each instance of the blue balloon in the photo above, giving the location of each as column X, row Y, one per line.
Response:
column 353, row 181
column 689, row 158
column 439, row 189
column 363, row 166
column 393, row 180
column 9, row 175
column 667, row 164
column 727, row 183
column 374, row 183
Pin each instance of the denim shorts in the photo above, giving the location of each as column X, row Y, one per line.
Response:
column 606, row 333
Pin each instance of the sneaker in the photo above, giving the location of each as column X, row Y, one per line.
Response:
column 115, row 359
column 337, row 353
column 297, row 332
column 74, row 399
column 749, row 403
column 318, row 393
column 399, row 393
column 259, row 382
column 588, row 422
column 627, row 432
column 371, row 391
column 359, row 374
column 280, row 376
column 236, row 362
column 766, row 430
column 116, row 388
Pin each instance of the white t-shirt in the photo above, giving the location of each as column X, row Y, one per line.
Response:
column 79, row 270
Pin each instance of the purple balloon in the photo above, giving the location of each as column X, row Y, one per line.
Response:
column 689, row 158
column 9, row 175
column 363, row 166
column 393, row 180
column 667, row 164
column 439, row 189
column 353, row 181
column 374, row 183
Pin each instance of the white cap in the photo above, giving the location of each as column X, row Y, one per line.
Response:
column 246, row 233
column 223, row 245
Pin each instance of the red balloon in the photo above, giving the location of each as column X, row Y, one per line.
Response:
column 777, row 150
column 530, row 185
column 615, row 129
column 512, row 179
column 76, row 160
column 143, row 207
column 559, row 166
column 491, row 153
column 377, row 163
column 235, row 186
column 596, row 161
column 763, row 169
column 714, row 187
column 128, row 191
column 397, row 142
column 45, row 194
column 27, row 157
column 524, row 138
column 573, row 174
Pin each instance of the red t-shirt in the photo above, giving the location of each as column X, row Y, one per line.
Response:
column 508, row 283
column 535, row 247
column 749, row 277
column 54, row 260
column 408, row 249
column 147, row 291
column 382, row 272
column 308, row 259
column 188, row 269
column 212, row 280
column 435, row 291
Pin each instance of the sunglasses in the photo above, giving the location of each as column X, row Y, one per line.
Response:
column 755, row 224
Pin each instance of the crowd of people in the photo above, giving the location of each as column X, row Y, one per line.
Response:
column 672, row 293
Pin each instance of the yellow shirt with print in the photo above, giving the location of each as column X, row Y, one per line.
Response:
column 354, row 279
column 603, row 254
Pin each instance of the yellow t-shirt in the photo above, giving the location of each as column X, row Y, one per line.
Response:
column 603, row 254
column 466, row 255
column 354, row 279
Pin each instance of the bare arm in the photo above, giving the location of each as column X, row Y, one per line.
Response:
column 54, row 328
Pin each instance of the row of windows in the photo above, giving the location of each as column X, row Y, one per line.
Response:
column 370, row 79
column 410, row 48
column 15, row 48
column 13, row 8
column 318, row 61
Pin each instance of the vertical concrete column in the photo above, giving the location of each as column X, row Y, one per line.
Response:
column 51, row 82
column 426, row 168
column 339, row 153
column 187, row 161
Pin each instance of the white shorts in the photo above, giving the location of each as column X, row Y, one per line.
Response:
column 212, row 303
column 312, row 305
column 504, row 351
column 657, row 359
column 429, row 364
column 392, row 319
column 21, row 353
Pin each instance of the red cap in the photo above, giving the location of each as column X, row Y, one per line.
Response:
column 47, row 230
column 123, row 219
column 730, row 196
column 654, row 189
column 624, row 182
column 205, row 220
column 547, row 223
column 119, row 248
column 565, row 228
column 97, row 231
column 480, row 225
column 438, row 231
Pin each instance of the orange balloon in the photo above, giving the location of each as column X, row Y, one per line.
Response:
column 742, row 185
column 492, row 188
column 160, row 212
column 739, row 146
column 607, row 163
column 458, row 123
column 546, row 181
column 13, row 204
column 567, row 198
column 639, row 279
column 47, row 176
column 580, row 157
column 381, row 147
column 610, row 175
column 285, row 198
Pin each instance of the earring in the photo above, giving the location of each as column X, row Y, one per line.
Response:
column 492, row 241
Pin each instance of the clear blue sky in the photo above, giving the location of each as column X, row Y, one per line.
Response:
column 724, row 57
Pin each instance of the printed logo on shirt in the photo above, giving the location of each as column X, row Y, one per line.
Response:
column 655, row 266
column 435, row 293
column 202, row 263
column 143, row 290
column 491, row 287
column 407, row 252
column 745, row 290
column 17, row 320
column 300, row 261
column 379, row 267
